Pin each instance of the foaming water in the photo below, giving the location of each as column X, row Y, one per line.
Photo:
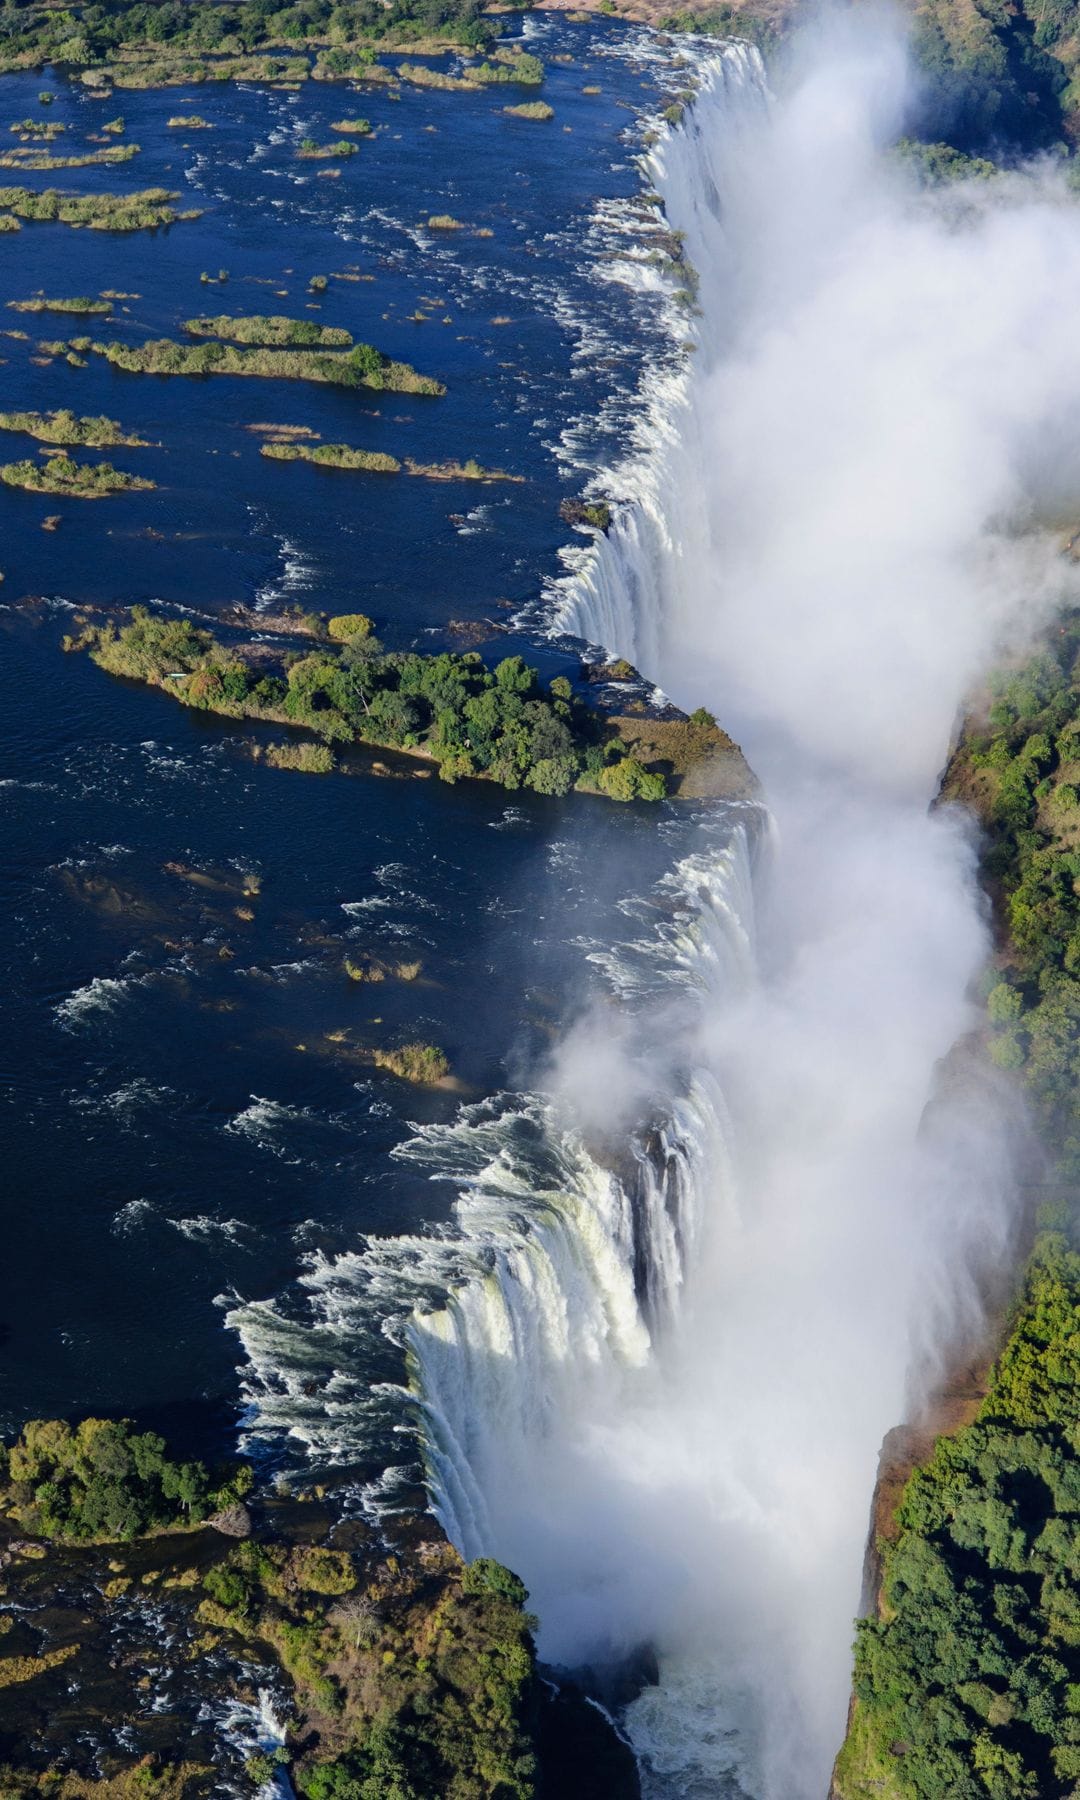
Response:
column 566, row 1253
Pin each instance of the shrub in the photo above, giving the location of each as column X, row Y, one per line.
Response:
column 346, row 627
column 421, row 1063
column 324, row 1571
column 626, row 779
column 309, row 759
column 532, row 109
column 486, row 1576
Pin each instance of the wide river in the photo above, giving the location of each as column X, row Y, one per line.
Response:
column 177, row 1125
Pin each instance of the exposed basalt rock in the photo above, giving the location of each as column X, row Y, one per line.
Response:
column 596, row 513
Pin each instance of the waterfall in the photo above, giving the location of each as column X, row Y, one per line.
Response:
column 585, row 1252
column 618, row 594
column 688, row 1288
column 821, row 534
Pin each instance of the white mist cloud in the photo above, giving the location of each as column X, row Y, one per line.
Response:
column 892, row 390
column 857, row 513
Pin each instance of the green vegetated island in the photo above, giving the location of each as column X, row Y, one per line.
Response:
column 288, row 349
column 128, row 44
column 501, row 724
column 144, row 210
column 79, row 304
column 408, row 1674
column 65, row 427
column 72, row 480
column 967, row 1680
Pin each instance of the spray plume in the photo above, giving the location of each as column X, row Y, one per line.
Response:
column 848, row 514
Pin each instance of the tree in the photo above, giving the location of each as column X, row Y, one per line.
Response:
column 359, row 1617
column 627, row 779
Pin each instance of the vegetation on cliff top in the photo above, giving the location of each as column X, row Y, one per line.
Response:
column 414, row 1680
column 968, row 1683
column 1020, row 768
column 497, row 723
column 411, row 1675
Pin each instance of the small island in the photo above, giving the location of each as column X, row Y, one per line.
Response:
column 501, row 725
column 312, row 151
column 72, row 480
column 362, row 366
column 39, row 160
column 81, row 303
column 331, row 456
column 65, row 427
column 145, row 210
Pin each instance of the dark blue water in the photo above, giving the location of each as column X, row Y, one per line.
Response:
column 188, row 1111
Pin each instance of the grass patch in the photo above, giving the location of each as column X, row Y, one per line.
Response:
column 375, row 969
column 187, row 71
column 15, row 1670
column 38, row 160
column 313, row 152
column 469, row 470
column 43, row 130
column 419, row 76
column 363, row 366
column 508, row 65
column 358, row 127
